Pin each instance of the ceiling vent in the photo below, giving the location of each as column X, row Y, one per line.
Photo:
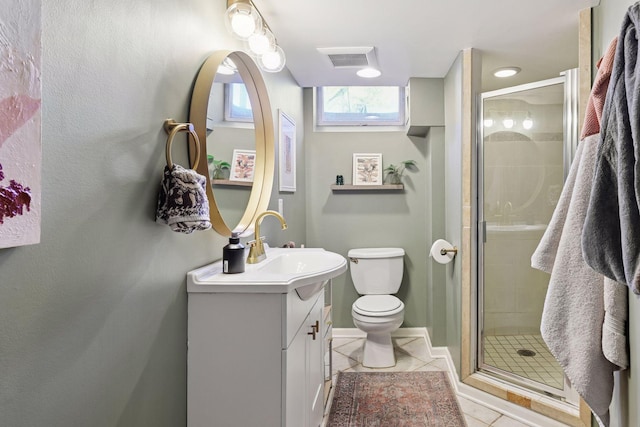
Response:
column 350, row 57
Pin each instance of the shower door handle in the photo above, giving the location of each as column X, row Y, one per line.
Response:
column 482, row 226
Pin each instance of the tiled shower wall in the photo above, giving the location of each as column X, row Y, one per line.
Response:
column 523, row 178
column 514, row 292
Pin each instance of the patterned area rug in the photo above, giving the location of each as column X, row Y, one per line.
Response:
column 398, row 399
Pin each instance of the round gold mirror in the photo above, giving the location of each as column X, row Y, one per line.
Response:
column 240, row 154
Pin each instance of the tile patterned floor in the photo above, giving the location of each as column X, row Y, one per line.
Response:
column 501, row 351
column 412, row 355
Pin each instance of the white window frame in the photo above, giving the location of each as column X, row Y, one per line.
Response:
column 228, row 115
column 320, row 122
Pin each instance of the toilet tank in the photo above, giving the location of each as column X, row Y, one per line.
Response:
column 377, row 271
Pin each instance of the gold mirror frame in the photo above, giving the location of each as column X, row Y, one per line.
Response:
column 264, row 137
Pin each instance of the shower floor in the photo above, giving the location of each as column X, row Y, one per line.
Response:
column 501, row 351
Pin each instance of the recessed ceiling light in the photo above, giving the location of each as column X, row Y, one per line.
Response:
column 369, row 73
column 506, row 71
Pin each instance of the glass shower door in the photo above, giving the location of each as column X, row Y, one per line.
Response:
column 521, row 164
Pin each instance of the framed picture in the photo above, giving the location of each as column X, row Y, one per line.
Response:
column 367, row 169
column 20, row 125
column 243, row 165
column 287, row 152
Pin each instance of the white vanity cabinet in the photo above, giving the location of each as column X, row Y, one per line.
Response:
column 304, row 372
column 255, row 359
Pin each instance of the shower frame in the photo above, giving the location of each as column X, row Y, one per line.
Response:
column 570, row 138
column 477, row 384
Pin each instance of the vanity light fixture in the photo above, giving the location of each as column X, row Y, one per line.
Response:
column 488, row 119
column 227, row 68
column 527, row 123
column 226, row 71
column 261, row 42
column 506, row 72
column 245, row 22
column 242, row 19
column 272, row 61
column 508, row 123
column 369, row 73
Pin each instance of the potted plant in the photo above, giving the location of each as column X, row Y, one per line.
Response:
column 394, row 172
column 217, row 167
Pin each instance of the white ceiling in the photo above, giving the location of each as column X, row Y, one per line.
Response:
column 421, row 38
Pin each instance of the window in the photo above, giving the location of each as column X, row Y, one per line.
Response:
column 237, row 105
column 360, row 106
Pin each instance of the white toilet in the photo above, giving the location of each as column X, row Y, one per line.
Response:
column 377, row 274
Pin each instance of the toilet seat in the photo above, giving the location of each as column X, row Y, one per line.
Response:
column 378, row 305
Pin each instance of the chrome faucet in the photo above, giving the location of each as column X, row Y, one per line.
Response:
column 507, row 215
column 256, row 247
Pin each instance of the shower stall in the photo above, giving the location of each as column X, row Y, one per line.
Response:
column 527, row 139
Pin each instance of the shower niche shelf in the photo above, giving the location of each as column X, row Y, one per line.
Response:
column 366, row 188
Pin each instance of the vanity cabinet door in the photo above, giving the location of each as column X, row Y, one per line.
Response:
column 315, row 368
column 295, row 373
column 304, row 372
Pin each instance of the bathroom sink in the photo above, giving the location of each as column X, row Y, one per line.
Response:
column 302, row 263
column 304, row 270
column 297, row 262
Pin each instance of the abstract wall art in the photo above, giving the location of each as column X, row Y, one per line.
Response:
column 20, row 119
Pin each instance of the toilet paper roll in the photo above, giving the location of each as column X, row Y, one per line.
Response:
column 435, row 253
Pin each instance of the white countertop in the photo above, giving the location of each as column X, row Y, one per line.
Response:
column 284, row 270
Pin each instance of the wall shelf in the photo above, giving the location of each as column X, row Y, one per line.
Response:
column 383, row 187
column 231, row 183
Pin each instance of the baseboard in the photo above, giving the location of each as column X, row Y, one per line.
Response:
column 400, row 333
column 347, row 333
column 483, row 398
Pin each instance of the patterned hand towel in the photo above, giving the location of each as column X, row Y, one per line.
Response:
column 182, row 200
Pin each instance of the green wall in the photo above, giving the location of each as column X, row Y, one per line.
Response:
column 93, row 319
column 436, row 308
column 339, row 221
column 453, row 205
column 286, row 95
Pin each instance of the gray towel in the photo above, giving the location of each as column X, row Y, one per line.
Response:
column 611, row 235
column 573, row 312
column 614, row 329
column 182, row 200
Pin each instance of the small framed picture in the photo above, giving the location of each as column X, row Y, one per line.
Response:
column 287, row 148
column 367, row 169
column 243, row 165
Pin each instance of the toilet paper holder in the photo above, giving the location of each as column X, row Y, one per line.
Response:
column 444, row 251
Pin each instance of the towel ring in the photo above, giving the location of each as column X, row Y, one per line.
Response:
column 172, row 128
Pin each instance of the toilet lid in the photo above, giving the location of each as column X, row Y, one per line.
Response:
column 378, row 305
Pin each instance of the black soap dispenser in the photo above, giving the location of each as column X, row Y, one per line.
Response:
column 233, row 256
